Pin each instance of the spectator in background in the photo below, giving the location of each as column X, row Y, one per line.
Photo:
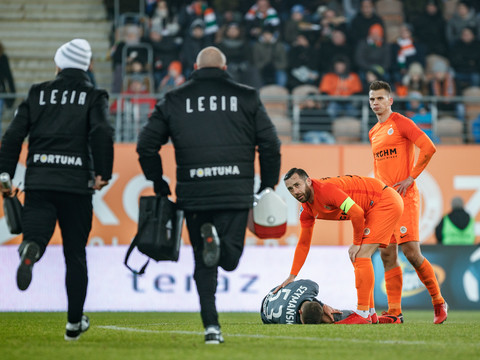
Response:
column 198, row 10
column 238, row 51
column 227, row 18
column 416, row 110
column 414, row 80
column 336, row 46
column 330, row 20
column 463, row 17
column 297, row 24
column 163, row 20
column 165, row 48
column 260, row 16
column 7, row 85
column 443, row 84
column 173, row 78
column 193, row 43
column 362, row 22
column 136, row 85
column 270, row 58
column 135, row 52
column 302, row 63
column 373, row 51
column 405, row 51
column 375, row 73
column 430, row 30
column 341, row 82
column 465, row 60
column 457, row 227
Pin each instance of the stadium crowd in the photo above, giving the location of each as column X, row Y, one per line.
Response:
column 336, row 46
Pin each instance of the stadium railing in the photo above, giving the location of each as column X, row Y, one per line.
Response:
column 442, row 129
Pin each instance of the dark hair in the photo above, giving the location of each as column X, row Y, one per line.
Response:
column 312, row 312
column 379, row 85
column 300, row 172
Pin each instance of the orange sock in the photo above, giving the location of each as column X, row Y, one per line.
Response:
column 364, row 282
column 427, row 276
column 393, row 284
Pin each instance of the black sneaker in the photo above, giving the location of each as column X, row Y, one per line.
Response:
column 28, row 257
column 73, row 331
column 211, row 245
column 213, row 335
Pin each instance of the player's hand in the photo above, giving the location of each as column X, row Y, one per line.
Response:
column 5, row 191
column 99, row 182
column 352, row 252
column 404, row 185
column 329, row 311
column 290, row 279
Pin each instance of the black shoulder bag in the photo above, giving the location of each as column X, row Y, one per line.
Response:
column 159, row 231
column 12, row 208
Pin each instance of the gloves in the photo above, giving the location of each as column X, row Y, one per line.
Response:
column 161, row 188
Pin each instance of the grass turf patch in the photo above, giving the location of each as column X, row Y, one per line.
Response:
column 118, row 335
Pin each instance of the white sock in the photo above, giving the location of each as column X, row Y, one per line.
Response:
column 372, row 311
column 362, row 313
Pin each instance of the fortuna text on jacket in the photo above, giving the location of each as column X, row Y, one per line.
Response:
column 212, row 104
column 215, row 171
column 58, row 159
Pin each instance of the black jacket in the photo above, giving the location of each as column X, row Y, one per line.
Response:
column 215, row 125
column 70, row 139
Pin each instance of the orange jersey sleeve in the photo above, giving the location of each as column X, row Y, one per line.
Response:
column 393, row 147
column 427, row 149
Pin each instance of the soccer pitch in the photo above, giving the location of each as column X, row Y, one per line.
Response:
column 119, row 335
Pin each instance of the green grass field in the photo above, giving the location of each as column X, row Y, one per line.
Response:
column 180, row 336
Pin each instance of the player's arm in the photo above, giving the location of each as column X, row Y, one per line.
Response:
column 357, row 217
column 412, row 132
column 427, row 149
column 301, row 252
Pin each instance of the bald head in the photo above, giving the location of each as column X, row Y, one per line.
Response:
column 211, row 57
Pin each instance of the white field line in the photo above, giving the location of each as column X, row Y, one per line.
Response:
column 259, row 336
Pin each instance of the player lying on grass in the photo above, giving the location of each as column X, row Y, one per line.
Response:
column 296, row 304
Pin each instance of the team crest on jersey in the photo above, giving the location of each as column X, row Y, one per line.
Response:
column 366, row 231
column 403, row 229
column 390, row 131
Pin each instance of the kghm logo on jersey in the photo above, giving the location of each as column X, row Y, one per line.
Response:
column 57, row 159
column 215, row 171
column 386, row 153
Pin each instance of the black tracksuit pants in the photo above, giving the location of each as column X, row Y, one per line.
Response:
column 41, row 211
column 230, row 226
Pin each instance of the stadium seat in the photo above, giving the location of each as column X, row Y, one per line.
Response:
column 275, row 100
column 391, row 11
column 300, row 92
column 347, row 130
column 472, row 108
column 449, row 7
column 392, row 33
column 450, row 130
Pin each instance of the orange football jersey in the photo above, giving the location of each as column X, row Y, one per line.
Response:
column 393, row 146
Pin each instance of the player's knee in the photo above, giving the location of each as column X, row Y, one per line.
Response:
column 230, row 262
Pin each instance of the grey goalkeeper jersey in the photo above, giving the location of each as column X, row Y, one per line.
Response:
column 282, row 307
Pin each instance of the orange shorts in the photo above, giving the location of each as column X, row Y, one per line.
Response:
column 407, row 228
column 381, row 219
